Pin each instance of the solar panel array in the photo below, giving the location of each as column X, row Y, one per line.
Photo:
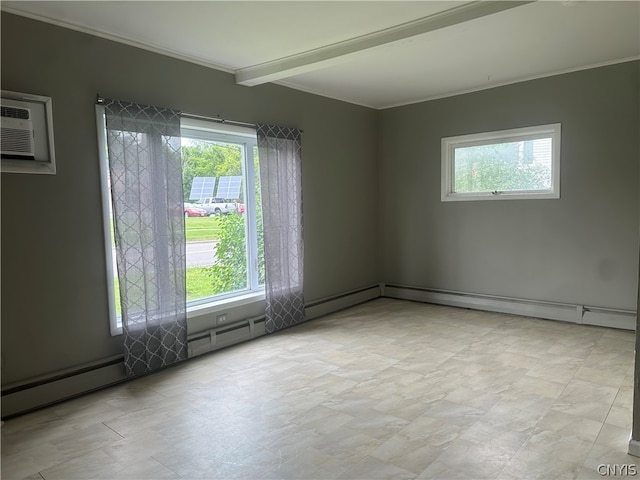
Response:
column 229, row 187
column 202, row 187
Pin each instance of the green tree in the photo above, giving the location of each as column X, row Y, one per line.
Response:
column 198, row 160
column 499, row 167
column 229, row 272
column 201, row 158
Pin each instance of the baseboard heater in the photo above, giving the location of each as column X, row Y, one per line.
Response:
column 46, row 390
column 581, row 314
column 215, row 339
column 35, row 393
column 335, row 303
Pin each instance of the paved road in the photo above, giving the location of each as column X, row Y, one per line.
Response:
column 199, row 254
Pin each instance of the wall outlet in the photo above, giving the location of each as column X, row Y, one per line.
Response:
column 222, row 318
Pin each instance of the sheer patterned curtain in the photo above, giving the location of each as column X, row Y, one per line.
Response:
column 143, row 145
column 281, row 177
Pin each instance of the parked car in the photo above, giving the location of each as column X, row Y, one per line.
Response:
column 217, row 206
column 191, row 210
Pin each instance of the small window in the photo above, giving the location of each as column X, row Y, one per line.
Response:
column 522, row 163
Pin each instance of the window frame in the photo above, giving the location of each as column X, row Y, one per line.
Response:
column 205, row 130
column 106, row 219
column 219, row 132
column 449, row 145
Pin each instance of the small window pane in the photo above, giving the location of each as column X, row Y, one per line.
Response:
column 512, row 166
column 216, row 231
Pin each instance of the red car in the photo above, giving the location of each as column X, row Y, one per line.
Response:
column 190, row 210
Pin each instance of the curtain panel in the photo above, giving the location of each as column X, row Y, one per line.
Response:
column 145, row 166
column 281, row 179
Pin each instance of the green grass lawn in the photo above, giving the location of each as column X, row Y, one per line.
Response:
column 199, row 285
column 202, row 228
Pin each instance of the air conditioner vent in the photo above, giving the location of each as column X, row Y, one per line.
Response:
column 26, row 136
column 17, row 138
column 14, row 112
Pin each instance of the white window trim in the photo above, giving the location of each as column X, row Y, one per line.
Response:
column 197, row 308
column 449, row 144
column 106, row 219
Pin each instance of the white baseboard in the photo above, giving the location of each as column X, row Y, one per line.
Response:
column 33, row 394
column 36, row 393
column 603, row 317
column 328, row 305
column 40, row 394
column 205, row 342
column 225, row 336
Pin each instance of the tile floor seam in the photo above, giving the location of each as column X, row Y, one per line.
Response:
column 165, row 466
column 113, row 430
column 69, row 460
column 604, row 422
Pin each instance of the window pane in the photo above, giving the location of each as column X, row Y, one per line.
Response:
column 512, row 166
column 216, row 229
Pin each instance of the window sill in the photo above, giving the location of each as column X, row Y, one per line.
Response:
column 223, row 304
column 501, row 196
column 200, row 311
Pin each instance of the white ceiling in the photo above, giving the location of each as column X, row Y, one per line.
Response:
column 373, row 53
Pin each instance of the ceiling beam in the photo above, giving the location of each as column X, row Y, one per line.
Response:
column 332, row 54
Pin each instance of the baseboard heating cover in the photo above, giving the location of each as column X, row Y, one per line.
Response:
column 335, row 303
column 582, row 314
column 34, row 393
column 46, row 390
column 214, row 339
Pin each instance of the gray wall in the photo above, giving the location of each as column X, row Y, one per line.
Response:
column 54, row 304
column 371, row 191
column 580, row 249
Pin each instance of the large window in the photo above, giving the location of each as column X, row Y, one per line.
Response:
column 518, row 163
column 223, row 217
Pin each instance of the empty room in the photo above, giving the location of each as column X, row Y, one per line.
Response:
column 320, row 240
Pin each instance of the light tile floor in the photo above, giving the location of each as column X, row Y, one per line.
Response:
column 385, row 390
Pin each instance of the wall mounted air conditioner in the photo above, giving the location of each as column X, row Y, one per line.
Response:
column 16, row 127
column 26, row 127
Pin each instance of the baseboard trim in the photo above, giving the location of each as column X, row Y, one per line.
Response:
column 35, row 393
column 582, row 314
column 214, row 339
column 335, row 303
column 44, row 393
